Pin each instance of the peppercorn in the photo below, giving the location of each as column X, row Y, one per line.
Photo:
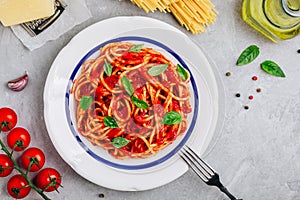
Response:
column 298, row 51
column 237, row 94
column 101, row 195
column 250, row 97
column 228, row 74
column 246, row 107
column 258, row 90
column 254, row 78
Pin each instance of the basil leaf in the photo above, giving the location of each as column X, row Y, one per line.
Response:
column 127, row 86
column 172, row 117
column 182, row 72
column 248, row 55
column 110, row 122
column 272, row 68
column 136, row 48
column 107, row 68
column 158, row 69
column 139, row 103
column 85, row 102
column 119, row 142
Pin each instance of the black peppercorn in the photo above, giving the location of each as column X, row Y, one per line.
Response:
column 228, row 74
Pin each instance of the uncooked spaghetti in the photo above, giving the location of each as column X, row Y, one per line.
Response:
column 194, row 15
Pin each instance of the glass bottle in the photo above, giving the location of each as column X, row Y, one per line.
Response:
column 276, row 19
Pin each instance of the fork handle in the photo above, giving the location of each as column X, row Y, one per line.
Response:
column 225, row 191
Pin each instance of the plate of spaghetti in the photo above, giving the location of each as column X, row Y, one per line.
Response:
column 125, row 102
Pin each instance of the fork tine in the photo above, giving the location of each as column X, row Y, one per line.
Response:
column 208, row 169
column 184, row 155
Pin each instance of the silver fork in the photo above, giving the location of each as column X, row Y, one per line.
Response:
column 203, row 170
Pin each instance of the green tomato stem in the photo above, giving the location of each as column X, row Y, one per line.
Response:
column 18, row 168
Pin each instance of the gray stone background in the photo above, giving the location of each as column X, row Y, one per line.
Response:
column 258, row 152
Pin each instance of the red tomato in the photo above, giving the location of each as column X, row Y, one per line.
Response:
column 6, row 165
column 35, row 156
column 18, row 139
column 8, row 119
column 48, row 179
column 17, row 187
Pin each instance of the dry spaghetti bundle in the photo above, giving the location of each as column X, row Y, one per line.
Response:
column 194, row 15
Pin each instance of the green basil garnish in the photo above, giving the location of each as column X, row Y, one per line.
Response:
column 110, row 122
column 139, row 103
column 272, row 68
column 158, row 69
column 182, row 72
column 119, row 142
column 248, row 55
column 107, row 68
column 85, row 102
column 136, row 48
column 127, row 86
column 172, row 117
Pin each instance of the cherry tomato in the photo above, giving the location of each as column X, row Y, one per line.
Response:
column 35, row 156
column 17, row 187
column 18, row 139
column 48, row 179
column 6, row 165
column 8, row 119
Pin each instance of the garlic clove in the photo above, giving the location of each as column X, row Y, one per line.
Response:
column 18, row 84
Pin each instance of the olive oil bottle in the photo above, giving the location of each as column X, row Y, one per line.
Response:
column 276, row 19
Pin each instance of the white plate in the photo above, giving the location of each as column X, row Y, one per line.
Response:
column 55, row 107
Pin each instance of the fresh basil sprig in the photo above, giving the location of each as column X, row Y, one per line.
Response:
column 107, row 68
column 172, row 117
column 110, row 122
column 248, row 55
column 136, row 48
column 119, row 142
column 85, row 102
column 272, row 68
column 139, row 103
column 158, row 69
column 127, row 85
column 182, row 72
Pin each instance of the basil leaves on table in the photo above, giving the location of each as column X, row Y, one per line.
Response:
column 272, row 68
column 107, row 68
column 158, row 69
column 119, row 142
column 139, row 103
column 248, row 55
column 110, row 122
column 85, row 102
column 172, row 117
column 182, row 72
column 136, row 48
column 127, row 85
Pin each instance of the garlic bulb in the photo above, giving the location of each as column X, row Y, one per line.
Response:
column 18, row 84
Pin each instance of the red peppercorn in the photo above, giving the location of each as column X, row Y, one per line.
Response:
column 250, row 97
column 254, row 78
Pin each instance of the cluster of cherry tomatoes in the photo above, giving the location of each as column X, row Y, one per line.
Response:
column 31, row 160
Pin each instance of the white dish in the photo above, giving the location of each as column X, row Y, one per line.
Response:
column 70, row 147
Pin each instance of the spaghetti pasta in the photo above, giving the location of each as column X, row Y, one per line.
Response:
column 194, row 15
column 140, row 100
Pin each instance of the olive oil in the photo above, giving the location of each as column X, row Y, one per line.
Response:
column 276, row 19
